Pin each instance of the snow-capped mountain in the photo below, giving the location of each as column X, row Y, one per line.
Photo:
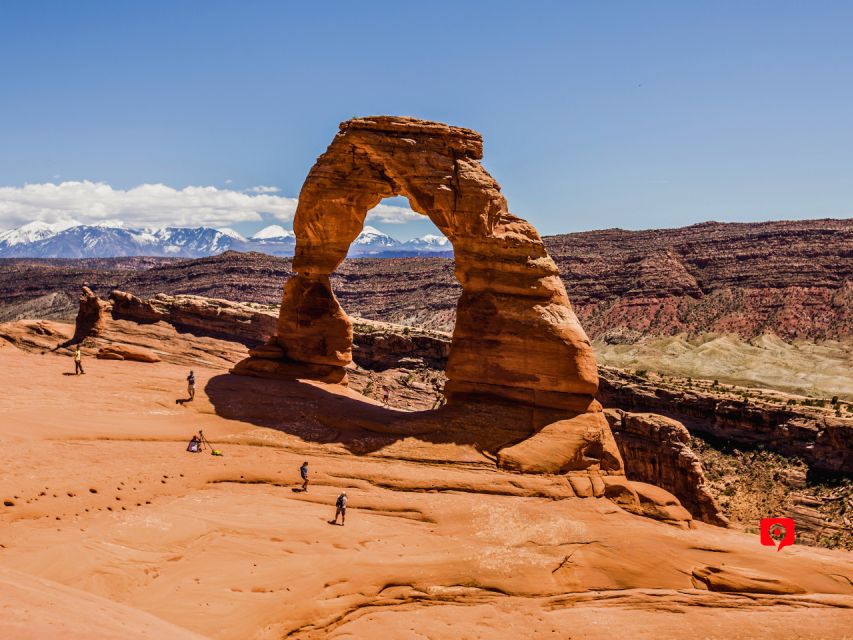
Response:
column 100, row 241
column 372, row 241
column 429, row 242
column 228, row 231
column 33, row 232
column 107, row 239
column 274, row 240
column 273, row 232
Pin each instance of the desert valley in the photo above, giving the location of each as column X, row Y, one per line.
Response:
column 574, row 436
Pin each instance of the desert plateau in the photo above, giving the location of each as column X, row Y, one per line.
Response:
column 506, row 474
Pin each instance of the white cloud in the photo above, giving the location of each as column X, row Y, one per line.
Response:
column 156, row 205
column 392, row 214
column 146, row 205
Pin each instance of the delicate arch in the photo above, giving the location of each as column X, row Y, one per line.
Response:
column 516, row 336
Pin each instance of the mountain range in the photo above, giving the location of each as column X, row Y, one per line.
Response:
column 106, row 240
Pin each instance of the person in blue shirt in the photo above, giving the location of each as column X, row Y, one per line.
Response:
column 303, row 471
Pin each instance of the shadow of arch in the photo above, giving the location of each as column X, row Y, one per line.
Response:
column 322, row 414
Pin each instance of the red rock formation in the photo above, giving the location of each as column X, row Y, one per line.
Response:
column 516, row 336
column 118, row 351
column 791, row 278
column 516, row 339
column 89, row 315
column 579, row 445
column 251, row 324
column 656, row 450
column 822, row 440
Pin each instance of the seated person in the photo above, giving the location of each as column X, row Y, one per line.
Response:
column 195, row 445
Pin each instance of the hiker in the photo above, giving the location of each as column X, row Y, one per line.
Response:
column 387, row 397
column 191, row 385
column 341, row 508
column 78, row 367
column 303, row 471
column 194, row 445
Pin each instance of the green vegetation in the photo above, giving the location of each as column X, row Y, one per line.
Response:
column 751, row 485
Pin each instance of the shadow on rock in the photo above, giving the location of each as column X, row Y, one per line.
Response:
column 331, row 414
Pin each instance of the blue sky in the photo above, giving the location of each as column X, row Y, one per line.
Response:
column 617, row 114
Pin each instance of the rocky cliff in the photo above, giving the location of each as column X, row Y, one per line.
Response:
column 656, row 450
column 791, row 278
column 777, row 422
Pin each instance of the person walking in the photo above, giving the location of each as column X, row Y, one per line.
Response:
column 78, row 366
column 341, row 508
column 303, row 471
column 191, row 386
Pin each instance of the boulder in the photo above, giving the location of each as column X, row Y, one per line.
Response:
column 741, row 580
column 576, row 444
column 659, row 504
column 126, row 352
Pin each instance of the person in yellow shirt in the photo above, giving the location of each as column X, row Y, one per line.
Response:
column 78, row 367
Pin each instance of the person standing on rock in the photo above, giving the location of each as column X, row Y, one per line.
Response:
column 341, row 508
column 78, row 366
column 191, row 385
column 303, row 471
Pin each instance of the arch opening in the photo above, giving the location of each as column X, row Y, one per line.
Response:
column 415, row 293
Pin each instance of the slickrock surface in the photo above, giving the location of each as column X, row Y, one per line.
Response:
column 106, row 505
column 749, row 485
column 494, row 428
column 403, row 366
column 574, row 445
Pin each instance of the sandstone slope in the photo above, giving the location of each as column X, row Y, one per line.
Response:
column 107, row 502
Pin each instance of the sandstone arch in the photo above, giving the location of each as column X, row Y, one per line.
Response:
column 517, row 341
column 516, row 335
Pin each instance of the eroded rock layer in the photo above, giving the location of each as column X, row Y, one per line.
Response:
column 245, row 322
column 656, row 450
